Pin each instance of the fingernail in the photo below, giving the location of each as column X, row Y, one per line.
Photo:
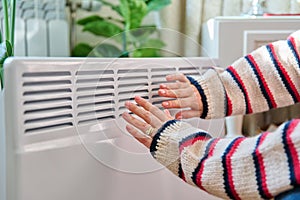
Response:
column 165, row 104
column 162, row 91
column 163, row 85
column 127, row 104
column 125, row 115
column 128, row 127
column 179, row 117
column 138, row 98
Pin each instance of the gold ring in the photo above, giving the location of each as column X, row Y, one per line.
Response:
column 149, row 131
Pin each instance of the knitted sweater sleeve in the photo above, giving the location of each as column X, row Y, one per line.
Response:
column 259, row 167
column 267, row 78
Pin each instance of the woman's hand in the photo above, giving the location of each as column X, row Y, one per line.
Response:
column 153, row 119
column 186, row 94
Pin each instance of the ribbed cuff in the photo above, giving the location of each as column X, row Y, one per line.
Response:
column 213, row 94
column 165, row 145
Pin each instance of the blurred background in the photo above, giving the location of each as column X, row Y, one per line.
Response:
column 75, row 27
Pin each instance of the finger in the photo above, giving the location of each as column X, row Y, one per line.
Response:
column 138, row 136
column 136, row 122
column 152, row 109
column 176, row 85
column 178, row 93
column 147, row 116
column 177, row 77
column 186, row 114
column 179, row 103
column 167, row 112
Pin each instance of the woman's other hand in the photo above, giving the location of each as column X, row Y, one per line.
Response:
column 153, row 118
column 186, row 94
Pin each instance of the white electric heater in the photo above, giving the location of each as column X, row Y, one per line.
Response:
column 62, row 137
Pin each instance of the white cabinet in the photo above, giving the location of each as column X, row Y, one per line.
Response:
column 229, row 38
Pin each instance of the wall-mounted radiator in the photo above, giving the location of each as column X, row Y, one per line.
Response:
column 41, row 28
column 62, row 136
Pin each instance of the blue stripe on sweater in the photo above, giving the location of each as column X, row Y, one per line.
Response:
column 290, row 44
column 261, row 85
column 153, row 146
column 180, row 171
column 241, row 88
column 257, row 170
column 289, row 153
column 225, row 172
column 207, row 150
column 193, row 136
column 284, row 80
column 203, row 96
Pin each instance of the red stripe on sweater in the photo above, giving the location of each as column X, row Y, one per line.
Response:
column 229, row 105
column 270, row 95
column 243, row 86
column 192, row 141
column 262, row 167
column 182, row 175
column 292, row 39
column 284, row 72
column 229, row 167
column 293, row 149
column 210, row 154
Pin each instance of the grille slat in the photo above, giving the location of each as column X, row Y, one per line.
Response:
column 48, row 121
column 42, row 89
column 82, row 86
column 95, row 93
column 95, row 107
column 50, row 127
column 36, row 114
column 95, row 116
column 46, row 78
column 42, row 98
column 40, row 105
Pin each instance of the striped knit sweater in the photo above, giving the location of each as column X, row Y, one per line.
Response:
column 259, row 167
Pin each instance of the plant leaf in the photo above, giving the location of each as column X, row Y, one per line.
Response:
column 143, row 32
column 147, row 52
column 138, row 10
column 157, row 4
column 112, row 6
column 106, row 50
column 153, row 43
column 102, row 28
column 149, row 48
column 89, row 19
column 82, row 50
column 125, row 12
column 5, row 51
column 133, row 12
column 9, row 48
column 1, row 76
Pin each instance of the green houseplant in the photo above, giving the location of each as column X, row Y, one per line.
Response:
column 7, row 34
column 126, row 36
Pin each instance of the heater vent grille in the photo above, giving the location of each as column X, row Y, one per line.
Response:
column 59, row 93
column 95, row 91
column 47, row 100
column 130, row 83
